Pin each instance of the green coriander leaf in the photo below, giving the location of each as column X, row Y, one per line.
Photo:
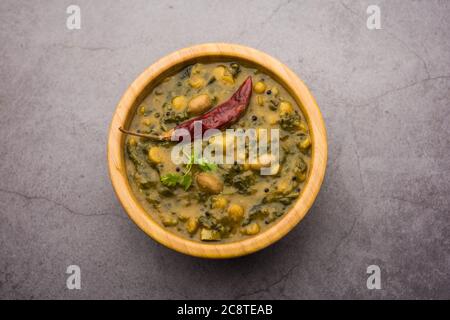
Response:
column 206, row 166
column 171, row 179
column 186, row 181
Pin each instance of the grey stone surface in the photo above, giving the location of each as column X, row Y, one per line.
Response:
column 384, row 95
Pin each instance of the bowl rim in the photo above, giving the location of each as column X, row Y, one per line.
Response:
column 138, row 90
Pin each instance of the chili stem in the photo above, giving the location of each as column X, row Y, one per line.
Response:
column 142, row 135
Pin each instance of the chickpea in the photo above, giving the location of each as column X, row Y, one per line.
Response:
column 272, row 118
column 219, row 202
column 263, row 161
column 302, row 126
column 252, row 229
column 221, row 73
column 260, row 101
column 179, row 103
column 259, row 87
column 182, row 216
column 209, row 183
column 305, row 144
column 255, row 166
column 218, row 72
column 196, row 82
column 192, row 225
column 274, row 169
column 147, row 121
column 275, row 91
column 286, row 108
column 228, row 78
column 168, row 220
column 284, row 187
column 235, row 212
column 301, row 177
column 155, row 155
column 197, row 68
column 199, row 104
column 209, row 235
column 132, row 141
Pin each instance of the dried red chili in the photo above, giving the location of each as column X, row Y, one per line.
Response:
column 219, row 117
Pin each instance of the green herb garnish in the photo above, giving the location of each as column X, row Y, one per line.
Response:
column 185, row 180
column 205, row 165
column 171, row 179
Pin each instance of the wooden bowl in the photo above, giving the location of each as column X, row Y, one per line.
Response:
column 141, row 87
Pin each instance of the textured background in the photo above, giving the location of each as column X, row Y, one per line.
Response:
column 384, row 95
